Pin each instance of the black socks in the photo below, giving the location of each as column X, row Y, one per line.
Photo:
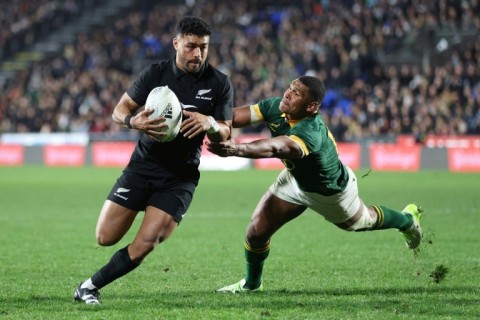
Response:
column 119, row 265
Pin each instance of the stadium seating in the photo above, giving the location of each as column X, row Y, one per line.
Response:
column 391, row 67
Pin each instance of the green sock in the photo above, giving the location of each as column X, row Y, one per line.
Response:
column 255, row 258
column 388, row 219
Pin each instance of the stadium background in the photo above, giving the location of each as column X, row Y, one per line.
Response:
column 403, row 77
column 64, row 64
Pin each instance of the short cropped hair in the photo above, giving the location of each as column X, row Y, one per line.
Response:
column 194, row 26
column 315, row 87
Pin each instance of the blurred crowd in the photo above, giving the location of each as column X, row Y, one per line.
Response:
column 262, row 46
column 23, row 22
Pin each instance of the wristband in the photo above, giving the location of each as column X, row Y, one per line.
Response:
column 127, row 121
column 214, row 127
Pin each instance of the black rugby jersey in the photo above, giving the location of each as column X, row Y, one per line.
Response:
column 208, row 92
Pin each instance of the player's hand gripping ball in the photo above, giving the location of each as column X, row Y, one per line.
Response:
column 165, row 103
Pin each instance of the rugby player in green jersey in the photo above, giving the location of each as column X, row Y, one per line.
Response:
column 314, row 177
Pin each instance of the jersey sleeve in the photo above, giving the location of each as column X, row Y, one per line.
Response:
column 256, row 115
column 301, row 144
column 308, row 136
column 267, row 109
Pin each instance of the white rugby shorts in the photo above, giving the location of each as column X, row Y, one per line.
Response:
column 336, row 208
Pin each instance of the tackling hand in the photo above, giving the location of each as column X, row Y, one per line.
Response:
column 223, row 149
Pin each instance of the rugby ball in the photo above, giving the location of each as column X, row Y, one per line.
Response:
column 165, row 103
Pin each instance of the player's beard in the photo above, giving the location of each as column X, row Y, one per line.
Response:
column 190, row 66
column 194, row 66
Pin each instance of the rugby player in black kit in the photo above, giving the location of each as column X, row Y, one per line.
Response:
column 161, row 177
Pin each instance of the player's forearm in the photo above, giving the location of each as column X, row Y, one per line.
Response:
column 279, row 147
column 123, row 109
column 266, row 148
column 118, row 116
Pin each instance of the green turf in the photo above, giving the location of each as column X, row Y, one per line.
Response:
column 315, row 271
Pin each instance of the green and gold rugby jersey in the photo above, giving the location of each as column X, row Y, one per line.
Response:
column 320, row 170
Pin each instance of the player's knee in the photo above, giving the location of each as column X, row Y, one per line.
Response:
column 105, row 242
column 104, row 239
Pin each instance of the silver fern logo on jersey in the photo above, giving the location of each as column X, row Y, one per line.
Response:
column 201, row 94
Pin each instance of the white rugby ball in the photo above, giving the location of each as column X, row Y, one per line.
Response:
column 165, row 103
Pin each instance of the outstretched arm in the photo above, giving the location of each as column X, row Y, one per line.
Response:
column 279, row 147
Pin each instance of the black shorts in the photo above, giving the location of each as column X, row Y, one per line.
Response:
column 169, row 194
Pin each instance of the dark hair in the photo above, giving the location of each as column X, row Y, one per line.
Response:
column 193, row 25
column 315, row 87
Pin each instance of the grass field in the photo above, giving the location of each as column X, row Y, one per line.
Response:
column 315, row 271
